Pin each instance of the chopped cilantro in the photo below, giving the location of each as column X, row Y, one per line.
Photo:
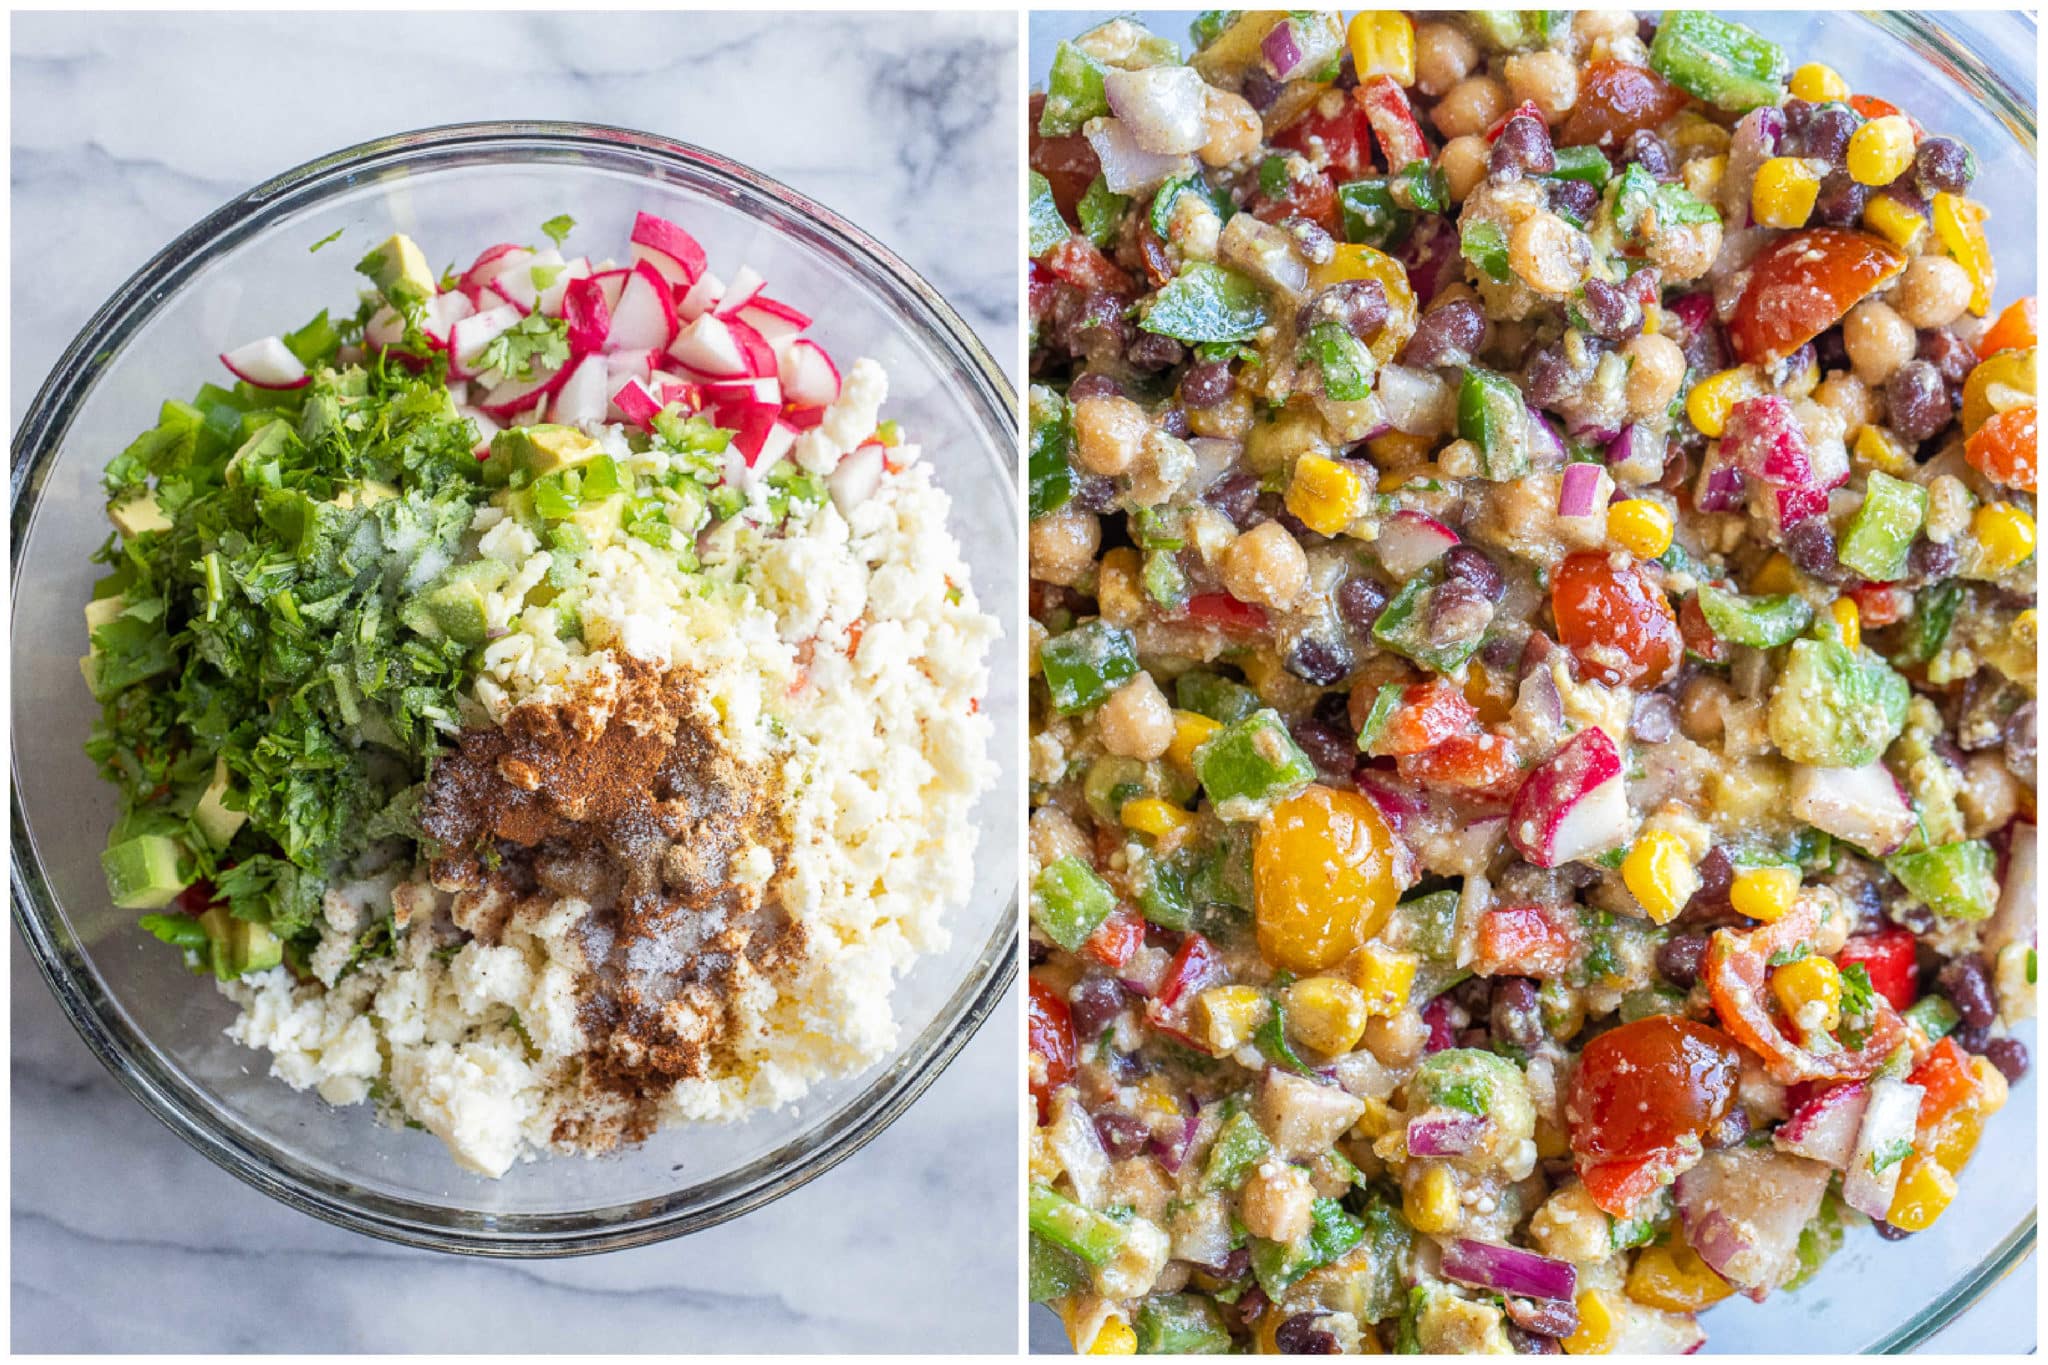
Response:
column 1890, row 1155
column 558, row 228
column 532, row 343
column 333, row 236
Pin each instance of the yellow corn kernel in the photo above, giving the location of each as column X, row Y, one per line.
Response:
column 1327, row 1014
column 1999, row 383
column 1226, row 1017
column 1709, row 401
column 1925, row 1189
column 1385, row 976
column 1992, row 1090
column 1702, row 176
column 1764, row 893
column 1383, row 44
column 1378, row 1120
column 1594, row 1336
column 1876, row 448
column 2005, row 537
column 1774, row 576
column 1893, row 221
column 1817, row 83
column 1114, row 1338
column 1191, row 730
column 1880, row 150
column 1848, row 618
column 1959, row 223
column 1784, row 192
column 1671, row 1276
column 1432, row 1201
column 1640, row 526
column 1811, row 992
column 1119, row 594
column 1324, row 494
column 1658, row 872
column 1150, row 815
column 1398, row 449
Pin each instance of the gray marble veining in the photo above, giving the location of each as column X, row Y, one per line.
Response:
column 128, row 129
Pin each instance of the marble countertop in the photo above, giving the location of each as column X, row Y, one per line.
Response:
column 123, row 135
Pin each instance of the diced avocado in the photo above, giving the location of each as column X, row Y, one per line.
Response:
column 142, row 872
column 368, row 493
column 101, row 610
column 1955, row 881
column 452, row 606
column 215, row 820
column 538, row 450
column 138, row 516
column 1475, row 1082
column 400, row 271
column 1516, row 30
column 239, row 945
column 1834, row 707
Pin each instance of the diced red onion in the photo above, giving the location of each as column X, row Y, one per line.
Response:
column 1693, row 311
column 1510, row 1270
column 1128, row 168
column 1890, row 1119
column 1428, row 255
column 1282, row 50
column 1577, row 489
column 1437, row 1014
column 1172, row 1154
column 1545, row 445
column 1445, row 1134
column 1720, row 485
column 1637, row 451
column 1163, row 106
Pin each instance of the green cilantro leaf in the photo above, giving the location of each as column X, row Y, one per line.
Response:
column 558, row 228
column 533, row 343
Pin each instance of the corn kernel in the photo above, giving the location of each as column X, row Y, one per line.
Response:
column 1398, row 449
column 1640, row 526
column 1659, row 874
column 1432, row 1201
column 1876, row 448
column 1785, row 190
column 1383, row 44
column 1709, row 401
column 1191, row 730
column 1385, row 976
column 1378, row 1120
column 1703, row 175
column 1226, row 1017
column 1324, row 495
column 1774, row 576
column 1327, row 1014
column 1811, row 992
column 1114, row 1338
column 1848, row 619
column 1671, row 1276
column 1893, row 221
column 1818, row 83
column 1594, row 1336
column 1924, row 1192
column 1880, row 150
column 1959, row 223
column 1150, row 815
column 2005, row 537
column 1764, row 893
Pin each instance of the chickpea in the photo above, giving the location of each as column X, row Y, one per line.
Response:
column 1589, row 24
column 1063, row 545
column 1233, row 127
column 1548, row 254
column 1278, row 1202
column 1684, row 252
column 1470, row 106
column 1054, row 836
column 1701, row 708
column 1933, row 292
column 1444, row 55
column 1228, row 420
column 1548, row 80
column 1989, row 794
column 1265, row 566
column 1656, row 367
column 1849, row 398
column 1108, row 431
column 1136, row 722
column 1397, row 1040
column 1878, row 341
column 1464, row 165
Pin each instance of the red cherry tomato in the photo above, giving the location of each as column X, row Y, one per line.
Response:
column 1650, row 1085
column 1738, row 981
column 1050, row 1030
column 1069, row 164
column 1484, row 762
column 1615, row 621
column 1314, row 199
column 1346, row 139
column 1615, row 99
column 1226, row 613
column 1430, row 713
column 1889, row 956
column 1804, row 283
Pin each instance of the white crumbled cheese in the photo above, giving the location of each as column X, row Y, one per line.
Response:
column 849, row 421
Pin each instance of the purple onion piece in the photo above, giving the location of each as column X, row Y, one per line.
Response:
column 1577, row 489
column 1173, row 1154
column 1445, row 1134
column 1510, row 1270
column 1638, row 450
column 1544, row 442
column 1282, row 50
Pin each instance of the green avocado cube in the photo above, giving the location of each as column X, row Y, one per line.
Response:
column 142, row 872
column 1834, row 707
column 400, row 271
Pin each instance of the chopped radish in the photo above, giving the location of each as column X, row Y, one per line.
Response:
column 1824, row 1128
column 1574, row 805
column 626, row 365
column 779, row 442
column 510, row 397
column 1865, row 805
column 268, row 364
column 635, row 403
column 760, row 356
column 489, row 264
column 757, row 391
column 787, row 318
column 1765, row 439
column 677, row 256
column 551, row 297
column 588, row 315
column 385, row 328
column 746, row 286
column 613, row 282
column 750, row 424
column 673, row 389
column 808, row 375
column 469, row 336
column 702, row 297
column 709, row 347
column 486, row 429
column 645, row 317
column 584, row 395
column 517, row 285
column 1871, row 1176
column 443, row 311
column 804, row 419
column 1409, row 541
column 855, row 478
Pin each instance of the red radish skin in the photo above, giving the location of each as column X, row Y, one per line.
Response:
column 489, row 263
column 746, row 286
column 808, row 375
column 1574, row 805
column 760, row 356
column 442, row 313
column 472, row 334
column 266, row 363
column 510, row 397
column 708, row 347
column 1890, row 1119
column 658, row 236
column 645, row 317
column 636, row 404
column 702, row 298
column 588, row 315
column 1411, row 541
column 551, row 297
column 583, row 396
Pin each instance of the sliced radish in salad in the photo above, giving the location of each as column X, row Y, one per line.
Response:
column 808, row 375
column 1573, row 806
column 443, row 311
column 773, row 319
column 1410, row 541
column 746, row 286
column 636, row 403
column 674, row 253
column 645, row 318
column 702, row 297
column 709, row 347
column 759, row 355
column 584, row 396
column 266, row 363
column 470, row 337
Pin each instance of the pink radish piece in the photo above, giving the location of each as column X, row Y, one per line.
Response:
column 675, row 254
column 760, row 356
column 1883, row 1140
column 468, row 337
column 781, row 439
column 1766, row 440
column 856, row 478
column 766, row 392
column 635, row 403
column 490, row 262
column 1573, row 806
column 808, row 375
column 613, row 283
column 701, row 297
column 443, row 311
column 773, row 319
column 588, row 315
column 746, row 286
column 804, row 419
column 645, row 318
column 750, row 424
column 1865, row 805
column 552, row 296
column 584, row 395
column 1824, row 1128
column 510, row 397
column 385, row 328
column 624, row 365
column 709, row 347
column 266, row 363
column 1409, row 541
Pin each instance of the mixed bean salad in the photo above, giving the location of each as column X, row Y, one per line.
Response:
column 1533, row 653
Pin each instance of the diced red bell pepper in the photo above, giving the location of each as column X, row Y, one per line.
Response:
column 1485, row 762
column 1430, row 713
column 1698, row 636
column 1393, row 122
column 2005, row 448
column 1346, row 139
column 1069, row 164
column 1117, row 938
column 1945, row 1074
column 1050, row 1030
column 1880, row 604
column 1226, row 613
column 1194, row 968
column 1314, row 198
column 1618, row 1186
column 1527, row 940
column 1077, row 261
column 1889, row 957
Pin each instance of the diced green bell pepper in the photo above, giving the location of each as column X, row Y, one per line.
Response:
column 1371, row 217
column 1404, row 627
column 1164, row 581
column 1589, row 164
column 1214, row 696
column 1729, row 65
column 1168, row 197
column 1880, row 534
column 1429, row 924
column 1224, row 876
column 1383, row 1281
column 1101, row 211
column 1934, row 615
column 1207, row 303
column 1092, row 1236
column 1254, row 759
column 1493, row 416
column 1180, row 1325
column 1936, row 1017
column 1047, row 228
column 1421, row 188
column 1055, row 1273
column 1385, row 702
column 1758, row 622
column 1162, row 891
column 1083, row 666
column 1347, row 367
column 1331, row 1233
column 1833, row 707
column 1073, row 93
column 1239, row 1147
column 1069, row 902
column 1955, row 881
column 1052, row 437
column 1483, row 243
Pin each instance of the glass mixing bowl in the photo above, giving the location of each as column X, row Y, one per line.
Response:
column 1973, row 76
column 245, row 271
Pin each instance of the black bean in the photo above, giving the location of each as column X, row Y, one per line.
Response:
column 1966, row 981
column 2009, row 1055
column 1888, row 1232
column 1149, row 351
column 1655, row 718
column 1551, row 378
column 1680, row 958
column 1911, row 916
column 1333, row 752
column 1039, row 952
column 1094, row 493
column 1236, row 496
column 1447, row 334
column 1128, row 1067
column 1649, row 151
column 1360, row 601
column 1206, row 383
column 1334, row 710
column 1260, row 89
column 1868, row 903
column 1918, row 400
column 1611, row 312
column 1811, row 546
column 1319, row 661
column 1095, row 1002
column 1909, row 199
column 1942, row 163
column 1948, row 353
column 1828, row 132
column 1830, row 351
column 1474, row 995
column 1358, row 306
column 1463, row 564
column 1122, row 1135
column 1312, row 241
column 1522, row 148
column 1174, row 422
column 2021, row 744
column 1798, row 114
column 1093, row 384
column 1840, row 200
column 1517, row 1018
column 1276, row 510
column 1573, row 199
column 1459, row 611
column 1931, row 561
column 1303, row 1335
column 1544, row 1317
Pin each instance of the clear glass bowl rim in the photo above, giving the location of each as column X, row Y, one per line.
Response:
column 128, row 1056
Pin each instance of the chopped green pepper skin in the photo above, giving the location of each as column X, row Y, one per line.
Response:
column 1047, row 228
column 1069, row 902
column 1934, row 615
column 1180, row 1325
column 1055, row 1272
column 1101, row 211
column 1083, row 666
column 1332, row 1232
column 1371, row 216
column 1073, row 93
column 1589, row 164
column 1214, row 696
column 1346, row 365
column 1092, row 1236
column 1254, row 759
column 1206, row 303
column 1493, row 416
column 1052, row 437
column 1486, row 246
column 1936, row 1017
column 1879, row 536
column 1239, row 1147
column 1758, row 622
column 1728, row 65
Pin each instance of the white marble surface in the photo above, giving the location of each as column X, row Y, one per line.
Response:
column 125, row 131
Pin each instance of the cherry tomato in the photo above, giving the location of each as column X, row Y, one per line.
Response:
column 1616, row 622
column 1076, row 261
column 1050, row 1029
column 1804, row 283
column 1121, row 933
column 1618, row 1186
column 1700, row 640
column 1314, row 199
column 1527, row 940
column 1430, row 713
column 1880, row 604
column 1346, row 138
column 1322, row 878
column 1649, row 1085
column 2016, row 328
column 1484, row 762
column 2003, row 449
column 1616, row 99
column 1945, row 1074
column 1738, row 974
column 1889, row 956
